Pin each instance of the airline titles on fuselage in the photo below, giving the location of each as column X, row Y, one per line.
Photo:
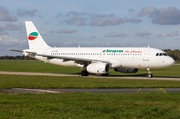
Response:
column 133, row 51
column 56, row 52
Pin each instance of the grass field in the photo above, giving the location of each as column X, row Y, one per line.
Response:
column 38, row 66
column 158, row 105
column 148, row 105
column 21, row 81
column 15, row 81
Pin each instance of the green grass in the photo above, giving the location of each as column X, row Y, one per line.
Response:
column 157, row 105
column 35, row 66
column 21, row 81
column 38, row 66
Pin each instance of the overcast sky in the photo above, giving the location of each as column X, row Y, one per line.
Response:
column 95, row 23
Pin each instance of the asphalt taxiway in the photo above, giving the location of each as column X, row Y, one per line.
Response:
column 118, row 90
column 92, row 76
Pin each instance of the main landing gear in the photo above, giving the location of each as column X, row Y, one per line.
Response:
column 105, row 74
column 84, row 73
column 149, row 73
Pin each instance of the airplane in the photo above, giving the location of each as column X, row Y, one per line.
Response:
column 95, row 60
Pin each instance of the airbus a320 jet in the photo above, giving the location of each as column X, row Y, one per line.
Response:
column 96, row 60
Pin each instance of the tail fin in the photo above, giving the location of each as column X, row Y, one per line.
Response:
column 34, row 38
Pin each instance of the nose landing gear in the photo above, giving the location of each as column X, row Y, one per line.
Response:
column 149, row 73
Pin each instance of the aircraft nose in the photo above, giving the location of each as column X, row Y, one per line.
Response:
column 170, row 61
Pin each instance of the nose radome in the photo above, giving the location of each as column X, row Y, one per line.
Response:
column 170, row 61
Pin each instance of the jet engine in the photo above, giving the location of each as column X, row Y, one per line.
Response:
column 126, row 70
column 100, row 68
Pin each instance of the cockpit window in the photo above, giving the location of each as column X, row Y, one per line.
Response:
column 161, row 54
column 164, row 54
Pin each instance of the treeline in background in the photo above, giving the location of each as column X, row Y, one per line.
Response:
column 16, row 58
column 175, row 54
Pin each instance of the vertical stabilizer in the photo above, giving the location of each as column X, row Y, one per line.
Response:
column 34, row 38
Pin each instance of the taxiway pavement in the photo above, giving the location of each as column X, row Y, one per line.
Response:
column 118, row 90
column 92, row 76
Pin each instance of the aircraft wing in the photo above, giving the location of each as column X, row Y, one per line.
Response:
column 82, row 61
column 77, row 60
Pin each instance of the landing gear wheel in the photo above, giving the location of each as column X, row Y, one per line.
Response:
column 84, row 73
column 105, row 74
column 150, row 75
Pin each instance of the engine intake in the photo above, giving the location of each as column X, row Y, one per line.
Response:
column 98, row 68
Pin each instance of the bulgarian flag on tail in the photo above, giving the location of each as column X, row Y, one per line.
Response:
column 33, row 36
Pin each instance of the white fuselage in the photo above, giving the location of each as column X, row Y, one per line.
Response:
column 95, row 60
column 125, row 57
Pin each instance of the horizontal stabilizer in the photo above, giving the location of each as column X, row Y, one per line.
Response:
column 16, row 50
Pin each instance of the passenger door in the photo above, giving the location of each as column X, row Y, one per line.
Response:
column 146, row 55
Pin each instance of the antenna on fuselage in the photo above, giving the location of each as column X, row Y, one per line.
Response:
column 79, row 46
column 148, row 46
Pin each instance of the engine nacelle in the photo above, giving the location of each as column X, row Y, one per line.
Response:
column 100, row 68
column 126, row 70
